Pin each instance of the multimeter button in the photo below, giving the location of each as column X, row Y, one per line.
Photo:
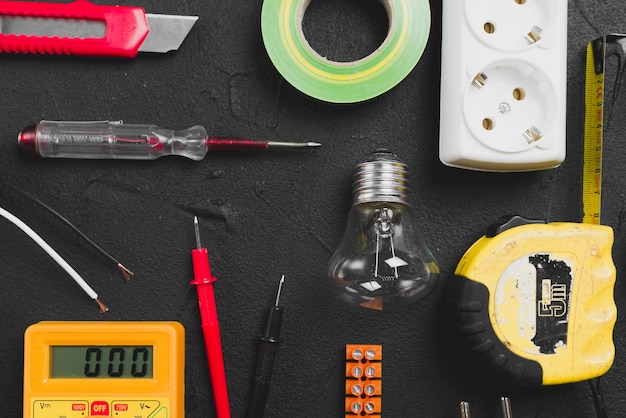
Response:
column 509, row 222
column 100, row 408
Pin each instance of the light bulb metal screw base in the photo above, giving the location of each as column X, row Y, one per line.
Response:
column 382, row 178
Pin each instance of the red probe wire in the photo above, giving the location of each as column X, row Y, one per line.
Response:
column 203, row 280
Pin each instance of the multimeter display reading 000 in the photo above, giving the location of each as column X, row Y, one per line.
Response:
column 104, row 369
column 100, row 362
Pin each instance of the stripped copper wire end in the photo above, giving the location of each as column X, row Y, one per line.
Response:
column 125, row 271
column 103, row 307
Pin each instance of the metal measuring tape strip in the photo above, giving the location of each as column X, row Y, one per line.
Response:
column 345, row 82
column 594, row 124
column 594, row 114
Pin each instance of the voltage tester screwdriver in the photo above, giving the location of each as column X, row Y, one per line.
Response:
column 114, row 139
column 268, row 344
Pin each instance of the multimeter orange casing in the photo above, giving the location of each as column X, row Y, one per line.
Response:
column 534, row 301
column 158, row 392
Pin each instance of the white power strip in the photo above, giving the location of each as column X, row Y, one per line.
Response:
column 503, row 84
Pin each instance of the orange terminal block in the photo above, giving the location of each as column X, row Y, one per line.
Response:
column 363, row 380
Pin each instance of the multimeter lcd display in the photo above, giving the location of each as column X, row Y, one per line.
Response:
column 93, row 361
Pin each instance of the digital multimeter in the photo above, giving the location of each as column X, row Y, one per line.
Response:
column 534, row 301
column 104, row 369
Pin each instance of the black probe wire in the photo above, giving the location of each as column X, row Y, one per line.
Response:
column 127, row 273
column 598, row 398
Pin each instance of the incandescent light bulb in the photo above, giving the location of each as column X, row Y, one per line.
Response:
column 383, row 262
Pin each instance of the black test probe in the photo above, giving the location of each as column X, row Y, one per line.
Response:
column 268, row 345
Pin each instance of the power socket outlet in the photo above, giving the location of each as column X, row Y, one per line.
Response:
column 503, row 84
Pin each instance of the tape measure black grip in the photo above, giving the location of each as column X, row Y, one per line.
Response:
column 468, row 312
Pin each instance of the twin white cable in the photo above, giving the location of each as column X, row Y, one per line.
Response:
column 55, row 256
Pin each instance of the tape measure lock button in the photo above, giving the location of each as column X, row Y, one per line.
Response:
column 509, row 222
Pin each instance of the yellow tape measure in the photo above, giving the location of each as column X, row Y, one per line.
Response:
column 534, row 300
column 594, row 113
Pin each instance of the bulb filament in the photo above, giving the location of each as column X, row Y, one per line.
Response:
column 384, row 229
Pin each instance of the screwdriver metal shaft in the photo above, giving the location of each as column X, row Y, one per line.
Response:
column 268, row 344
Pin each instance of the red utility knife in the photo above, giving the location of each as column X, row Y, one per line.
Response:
column 85, row 28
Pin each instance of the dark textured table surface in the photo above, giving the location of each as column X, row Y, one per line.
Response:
column 267, row 214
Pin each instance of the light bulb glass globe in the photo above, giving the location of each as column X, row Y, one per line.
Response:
column 383, row 262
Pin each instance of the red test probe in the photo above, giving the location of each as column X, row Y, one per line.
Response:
column 203, row 280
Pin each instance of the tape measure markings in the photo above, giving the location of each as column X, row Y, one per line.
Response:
column 594, row 114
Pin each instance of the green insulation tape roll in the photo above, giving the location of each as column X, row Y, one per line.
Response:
column 345, row 82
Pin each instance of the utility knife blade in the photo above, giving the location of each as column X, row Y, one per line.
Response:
column 84, row 28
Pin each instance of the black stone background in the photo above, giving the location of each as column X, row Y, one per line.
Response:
column 267, row 214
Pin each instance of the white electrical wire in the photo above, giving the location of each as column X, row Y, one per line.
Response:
column 51, row 252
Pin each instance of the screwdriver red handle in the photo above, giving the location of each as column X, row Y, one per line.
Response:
column 126, row 29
